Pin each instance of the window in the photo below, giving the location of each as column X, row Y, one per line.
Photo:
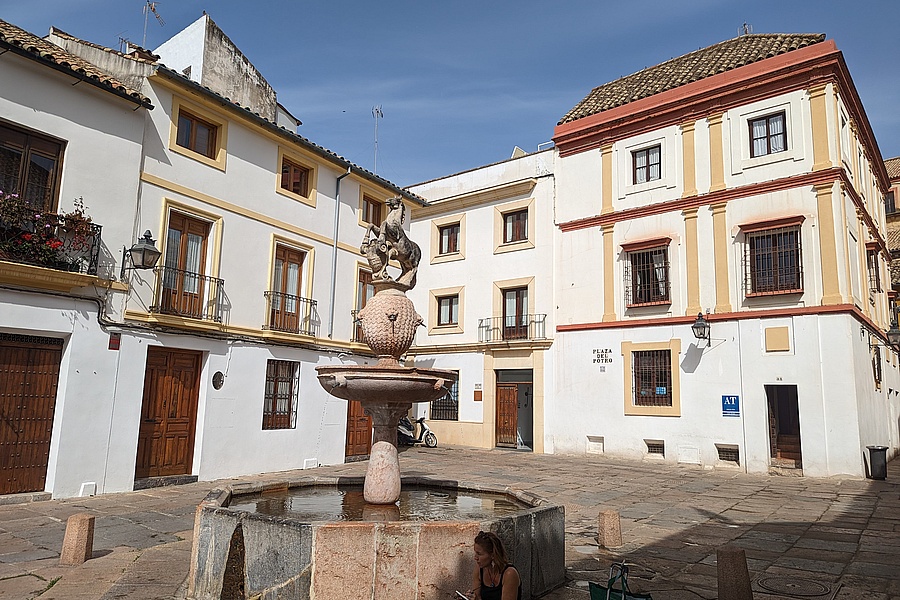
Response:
column 282, row 388
column 729, row 453
column 196, row 134
column 446, row 408
column 371, row 211
column 890, row 206
column 874, row 270
column 365, row 289
column 652, row 371
column 656, row 447
column 288, row 311
column 772, row 262
column 515, row 226
column 768, row 135
column 449, row 239
column 183, row 281
column 646, row 164
column 448, row 310
column 876, row 366
column 515, row 313
column 294, row 177
column 647, row 276
column 29, row 167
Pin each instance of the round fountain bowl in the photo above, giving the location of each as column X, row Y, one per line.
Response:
column 385, row 384
column 374, row 552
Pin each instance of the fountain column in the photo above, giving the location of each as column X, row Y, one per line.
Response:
column 382, row 484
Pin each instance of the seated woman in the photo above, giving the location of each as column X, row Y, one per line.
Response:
column 494, row 577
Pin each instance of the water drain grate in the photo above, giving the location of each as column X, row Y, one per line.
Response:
column 795, row 587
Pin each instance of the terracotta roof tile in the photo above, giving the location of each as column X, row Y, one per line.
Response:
column 30, row 45
column 697, row 65
column 893, row 167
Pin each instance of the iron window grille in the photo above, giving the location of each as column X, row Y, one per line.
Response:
column 729, row 453
column 768, row 135
column 515, row 226
column 772, row 262
column 449, row 239
column 646, row 165
column 874, row 271
column 652, row 372
column 876, row 365
column 446, row 408
column 647, row 277
column 656, row 447
column 282, row 391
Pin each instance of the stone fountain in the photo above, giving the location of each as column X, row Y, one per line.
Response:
column 389, row 321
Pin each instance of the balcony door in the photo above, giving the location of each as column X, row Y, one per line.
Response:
column 185, row 262
column 515, row 313
column 364, row 290
column 285, row 313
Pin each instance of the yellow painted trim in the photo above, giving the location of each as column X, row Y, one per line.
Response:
column 819, row 120
column 303, row 162
column 470, row 199
column 720, row 245
column 778, row 339
column 831, row 289
column 503, row 209
column 214, row 118
column 716, row 154
column 537, row 402
column 505, row 284
column 436, row 225
column 692, row 260
column 433, row 295
column 689, row 160
column 606, row 183
column 31, row 276
column 674, row 347
column 609, row 274
column 244, row 212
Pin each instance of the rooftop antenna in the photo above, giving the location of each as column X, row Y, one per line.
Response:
column 150, row 7
column 376, row 114
column 123, row 43
column 745, row 29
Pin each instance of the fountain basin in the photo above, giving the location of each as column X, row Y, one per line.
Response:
column 384, row 384
column 237, row 553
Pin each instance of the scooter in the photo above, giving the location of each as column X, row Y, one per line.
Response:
column 406, row 433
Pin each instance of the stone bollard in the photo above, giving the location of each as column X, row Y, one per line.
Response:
column 609, row 531
column 732, row 574
column 78, row 545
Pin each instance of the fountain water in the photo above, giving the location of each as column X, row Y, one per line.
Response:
column 253, row 550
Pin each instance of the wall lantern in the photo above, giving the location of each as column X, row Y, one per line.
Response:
column 892, row 334
column 142, row 255
column 701, row 328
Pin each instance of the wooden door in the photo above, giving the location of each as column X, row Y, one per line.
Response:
column 168, row 413
column 507, row 409
column 29, row 373
column 515, row 314
column 183, row 281
column 285, row 306
column 359, row 430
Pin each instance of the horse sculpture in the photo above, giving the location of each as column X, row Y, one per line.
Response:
column 388, row 242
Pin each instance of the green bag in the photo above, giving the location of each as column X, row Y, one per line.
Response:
column 617, row 572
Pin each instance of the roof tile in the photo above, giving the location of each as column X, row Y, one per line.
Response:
column 893, row 167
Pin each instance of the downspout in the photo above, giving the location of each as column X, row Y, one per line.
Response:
column 334, row 250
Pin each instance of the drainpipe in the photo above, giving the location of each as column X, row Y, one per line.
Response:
column 334, row 250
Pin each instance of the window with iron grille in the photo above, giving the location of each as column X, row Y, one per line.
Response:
column 652, row 372
column 876, row 365
column 656, row 447
column 647, row 277
column 449, row 239
column 768, row 135
column 646, row 165
column 729, row 453
column 772, row 261
column 515, row 226
column 874, row 270
column 282, row 390
column 446, row 408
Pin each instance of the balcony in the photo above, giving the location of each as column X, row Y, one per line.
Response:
column 357, row 334
column 505, row 329
column 53, row 242
column 290, row 314
column 187, row 294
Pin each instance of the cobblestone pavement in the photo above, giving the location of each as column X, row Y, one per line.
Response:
column 838, row 537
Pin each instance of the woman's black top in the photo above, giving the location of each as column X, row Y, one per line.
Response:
column 495, row 592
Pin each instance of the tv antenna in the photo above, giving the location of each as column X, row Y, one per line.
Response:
column 150, row 7
column 376, row 114
column 745, row 29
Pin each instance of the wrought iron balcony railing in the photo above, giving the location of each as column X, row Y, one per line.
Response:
column 291, row 314
column 188, row 294
column 519, row 327
column 52, row 242
column 357, row 334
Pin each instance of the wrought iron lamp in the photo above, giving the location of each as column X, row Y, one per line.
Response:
column 701, row 328
column 892, row 334
column 142, row 255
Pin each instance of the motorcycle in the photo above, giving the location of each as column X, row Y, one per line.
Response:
column 406, row 433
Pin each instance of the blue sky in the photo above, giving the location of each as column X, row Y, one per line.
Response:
column 461, row 83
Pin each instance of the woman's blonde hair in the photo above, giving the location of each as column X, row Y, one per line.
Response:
column 491, row 543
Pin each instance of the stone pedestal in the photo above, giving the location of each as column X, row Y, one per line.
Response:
column 78, row 544
column 383, row 473
column 732, row 574
column 609, row 530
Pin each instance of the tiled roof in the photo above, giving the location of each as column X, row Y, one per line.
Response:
column 893, row 167
column 30, row 45
column 697, row 65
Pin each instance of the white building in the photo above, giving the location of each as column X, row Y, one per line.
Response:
column 741, row 182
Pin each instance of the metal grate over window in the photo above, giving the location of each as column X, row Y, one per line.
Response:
column 729, row 453
column 656, row 447
column 652, row 370
column 446, row 408
column 282, row 389
column 772, row 262
column 647, row 277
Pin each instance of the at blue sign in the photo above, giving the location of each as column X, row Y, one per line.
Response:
column 731, row 406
